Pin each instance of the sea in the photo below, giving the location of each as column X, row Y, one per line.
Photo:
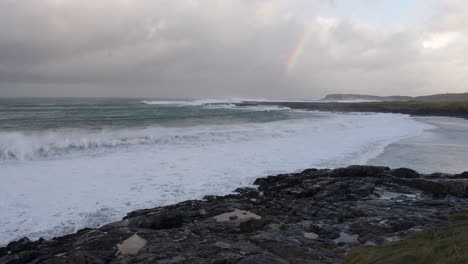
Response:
column 67, row 164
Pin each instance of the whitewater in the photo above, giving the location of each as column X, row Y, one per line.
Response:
column 73, row 164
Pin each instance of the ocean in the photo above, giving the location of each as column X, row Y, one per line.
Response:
column 66, row 164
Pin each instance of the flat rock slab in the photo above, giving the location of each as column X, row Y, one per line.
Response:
column 310, row 235
column 236, row 215
column 132, row 245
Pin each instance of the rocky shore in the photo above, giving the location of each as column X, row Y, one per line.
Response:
column 315, row 216
column 415, row 108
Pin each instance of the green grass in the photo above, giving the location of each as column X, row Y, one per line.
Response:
column 442, row 246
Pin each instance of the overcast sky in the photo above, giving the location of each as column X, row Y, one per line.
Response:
column 278, row 49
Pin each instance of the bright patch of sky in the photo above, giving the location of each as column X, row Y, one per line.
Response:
column 388, row 14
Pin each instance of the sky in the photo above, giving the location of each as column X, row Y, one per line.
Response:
column 277, row 49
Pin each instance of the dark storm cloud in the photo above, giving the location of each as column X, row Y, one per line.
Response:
column 221, row 49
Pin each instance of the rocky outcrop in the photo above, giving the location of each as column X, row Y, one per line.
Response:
column 448, row 97
column 314, row 216
column 453, row 109
column 350, row 97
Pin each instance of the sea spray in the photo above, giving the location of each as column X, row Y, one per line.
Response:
column 60, row 176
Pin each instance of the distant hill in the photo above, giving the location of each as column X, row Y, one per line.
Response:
column 435, row 97
column 444, row 97
column 350, row 97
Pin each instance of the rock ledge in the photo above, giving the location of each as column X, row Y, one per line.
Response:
column 315, row 216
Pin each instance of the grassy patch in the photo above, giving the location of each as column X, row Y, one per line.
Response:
column 442, row 246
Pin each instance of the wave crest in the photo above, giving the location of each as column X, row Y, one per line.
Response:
column 45, row 144
column 194, row 102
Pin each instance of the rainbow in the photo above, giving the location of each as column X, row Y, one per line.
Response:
column 298, row 49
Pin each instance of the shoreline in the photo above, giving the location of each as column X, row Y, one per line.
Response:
column 413, row 108
column 440, row 148
column 315, row 215
column 397, row 189
column 95, row 189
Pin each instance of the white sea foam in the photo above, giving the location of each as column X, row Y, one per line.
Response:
column 109, row 173
column 23, row 146
column 221, row 102
column 193, row 102
column 349, row 101
column 267, row 108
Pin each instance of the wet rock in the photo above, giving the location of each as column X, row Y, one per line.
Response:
column 402, row 226
column 252, row 225
column 314, row 216
column 464, row 175
column 278, row 236
column 456, row 188
column 404, row 173
column 247, row 192
column 438, row 187
column 77, row 260
column 262, row 258
column 173, row 260
column 161, row 221
column 434, row 187
column 359, row 171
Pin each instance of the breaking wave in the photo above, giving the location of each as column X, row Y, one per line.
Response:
column 46, row 144
column 193, row 102
column 220, row 104
column 57, row 182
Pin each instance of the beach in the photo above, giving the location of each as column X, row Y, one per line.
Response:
column 96, row 160
column 442, row 148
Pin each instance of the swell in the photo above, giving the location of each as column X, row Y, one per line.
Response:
column 154, row 166
column 21, row 145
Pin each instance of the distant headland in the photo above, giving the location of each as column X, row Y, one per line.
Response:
column 434, row 97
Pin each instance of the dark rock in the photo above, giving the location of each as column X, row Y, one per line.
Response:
column 233, row 217
column 310, row 217
column 434, row 187
column 161, row 221
column 456, row 188
column 309, row 172
column 359, row 171
column 402, row 226
column 77, row 260
column 438, row 175
column 262, row 258
column 326, row 231
column 246, row 190
column 173, row 260
column 252, row 225
column 404, row 173
column 287, row 251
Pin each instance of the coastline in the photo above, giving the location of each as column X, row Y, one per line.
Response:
column 401, row 189
column 316, row 216
column 449, row 109
column 442, row 148
column 97, row 189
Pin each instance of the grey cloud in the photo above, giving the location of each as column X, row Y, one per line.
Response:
column 213, row 48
